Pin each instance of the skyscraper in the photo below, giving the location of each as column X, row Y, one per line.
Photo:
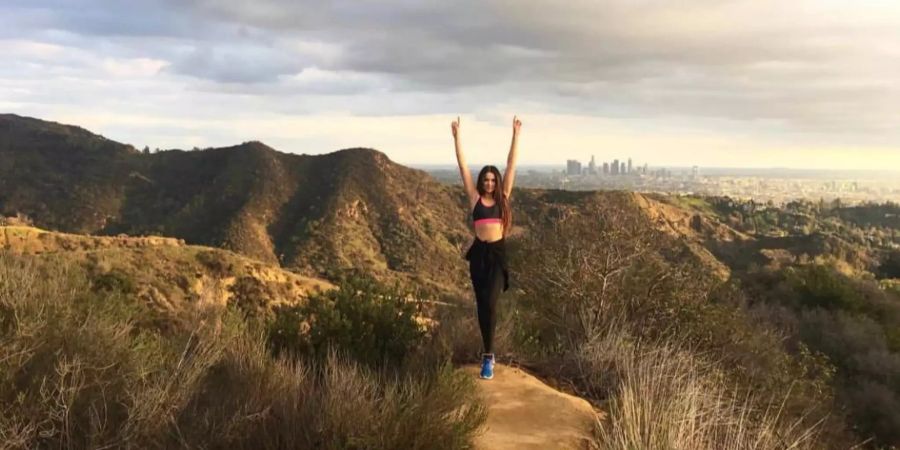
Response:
column 615, row 167
column 573, row 167
column 592, row 167
column 629, row 165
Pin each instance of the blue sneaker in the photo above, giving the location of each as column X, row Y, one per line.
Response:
column 487, row 366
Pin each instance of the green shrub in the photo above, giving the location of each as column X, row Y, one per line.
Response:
column 213, row 261
column 251, row 297
column 375, row 324
column 890, row 265
column 822, row 286
column 114, row 281
column 853, row 324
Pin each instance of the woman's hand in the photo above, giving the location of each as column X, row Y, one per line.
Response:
column 454, row 127
column 510, row 174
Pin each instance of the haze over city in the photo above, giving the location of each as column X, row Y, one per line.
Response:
column 732, row 84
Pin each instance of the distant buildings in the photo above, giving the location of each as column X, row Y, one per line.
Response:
column 624, row 167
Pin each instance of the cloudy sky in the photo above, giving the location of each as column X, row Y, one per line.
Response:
column 760, row 83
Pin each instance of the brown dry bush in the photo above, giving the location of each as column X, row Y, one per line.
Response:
column 625, row 314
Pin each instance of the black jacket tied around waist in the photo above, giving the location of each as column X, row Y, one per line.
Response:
column 485, row 256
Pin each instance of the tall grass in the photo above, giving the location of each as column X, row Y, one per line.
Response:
column 665, row 397
column 79, row 369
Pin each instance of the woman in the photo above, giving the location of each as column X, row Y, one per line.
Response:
column 489, row 202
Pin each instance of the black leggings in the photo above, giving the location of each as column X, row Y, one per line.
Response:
column 487, row 268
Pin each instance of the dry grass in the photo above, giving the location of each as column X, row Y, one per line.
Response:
column 79, row 370
column 665, row 397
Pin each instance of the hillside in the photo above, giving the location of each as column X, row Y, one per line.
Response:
column 165, row 273
column 856, row 238
column 537, row 210
column 318, row 215
column 64, row 176
column 825, row 276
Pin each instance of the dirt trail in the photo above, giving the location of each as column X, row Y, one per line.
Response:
column 525, row 413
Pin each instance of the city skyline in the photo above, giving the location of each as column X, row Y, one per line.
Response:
column 562, row 166
column 743, row 84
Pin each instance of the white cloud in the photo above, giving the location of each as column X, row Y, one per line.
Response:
column 133, row 67
column 740, row 74
column 19, row 48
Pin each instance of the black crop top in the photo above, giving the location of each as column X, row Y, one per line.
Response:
column 482, row 212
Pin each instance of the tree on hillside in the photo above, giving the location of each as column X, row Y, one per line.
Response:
column 890, row 267
column 600, row 266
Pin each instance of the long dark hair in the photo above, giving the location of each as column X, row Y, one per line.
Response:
column 499, row 197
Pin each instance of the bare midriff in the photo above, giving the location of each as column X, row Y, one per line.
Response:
column 488, row 230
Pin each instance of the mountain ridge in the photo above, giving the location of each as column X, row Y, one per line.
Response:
column 315, row 214
column 318, row 215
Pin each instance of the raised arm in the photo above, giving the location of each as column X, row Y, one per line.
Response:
column 510, row 174
column 463, row 168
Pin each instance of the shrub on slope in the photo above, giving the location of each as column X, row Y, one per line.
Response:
column 628, row 317
column 77, row 370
